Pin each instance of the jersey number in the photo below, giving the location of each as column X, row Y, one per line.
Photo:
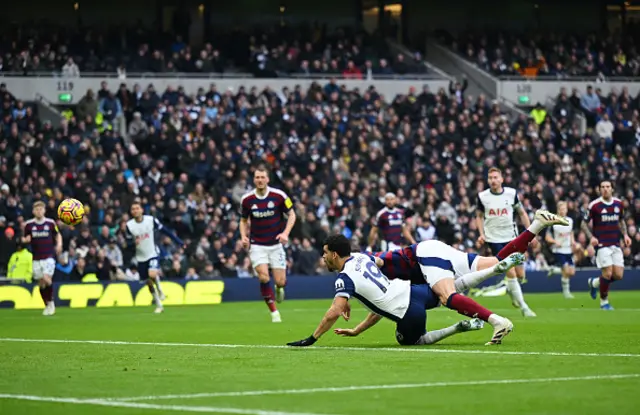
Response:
column 373, row 274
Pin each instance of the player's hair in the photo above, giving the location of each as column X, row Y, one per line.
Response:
column 494, row 170
column 339, row 244
column 262, row 168
column 560, row 204
column 38, row 203
column 606, row 181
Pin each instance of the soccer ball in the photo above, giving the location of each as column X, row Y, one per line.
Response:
column 71, row 211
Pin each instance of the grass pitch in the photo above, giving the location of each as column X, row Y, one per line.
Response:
column 572, row 359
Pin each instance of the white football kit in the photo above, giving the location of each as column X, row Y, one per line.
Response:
column 361, row 278
column 562, row 235
column 144, row 230
column 499, row 214
column 439, row 261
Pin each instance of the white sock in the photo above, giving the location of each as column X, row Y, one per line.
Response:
column 494, row 319
column 473, row 279
column 595, row 282
column 603, row 302
column 435, row 336
column 565, row 284
column 556, row 270
column 156, row 297
column 157, row 281
column 515, row 291
column 535, row 227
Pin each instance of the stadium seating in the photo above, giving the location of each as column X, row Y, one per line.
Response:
column 534, row 55
column 303, row 50
column 189, row 158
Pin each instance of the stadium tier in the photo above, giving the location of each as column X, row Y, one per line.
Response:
column 304, row 50
column 548, row 55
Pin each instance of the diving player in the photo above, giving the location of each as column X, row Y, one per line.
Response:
column 397, row 300
column 46, row 243
column 607, row 215
column 141, row 231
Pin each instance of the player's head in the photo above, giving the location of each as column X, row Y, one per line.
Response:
column 136, row 210
column 606, row 189
column 495, row 179
column 336, row 250
column 390, row 200
column 38, row 209
column 562, row 209
column 261, row 178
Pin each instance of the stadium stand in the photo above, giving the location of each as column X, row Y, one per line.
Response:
column 337, row 152
column 267, row 51
column 551, row 55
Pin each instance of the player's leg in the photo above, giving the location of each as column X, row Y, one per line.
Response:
column 260, row 262
column 542, row 219
column 153, row 282
column 604, row 261
column 483, row 268
column 278, row 262
column 568, row 271
column 414, row 322
column 49, row 268
column 519, row 244
column 438, row 274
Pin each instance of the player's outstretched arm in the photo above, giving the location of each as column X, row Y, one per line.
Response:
column 406, row 232
column 371, row 320
column 159, row 226
column 333, row 314
column 291, row 221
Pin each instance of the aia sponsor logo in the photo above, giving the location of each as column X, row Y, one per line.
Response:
column 498, row 212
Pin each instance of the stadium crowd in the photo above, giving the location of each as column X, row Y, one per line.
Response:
column 269, row 51
column 598, row 56
column 336, row 152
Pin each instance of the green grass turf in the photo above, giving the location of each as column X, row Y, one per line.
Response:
column 78, row 370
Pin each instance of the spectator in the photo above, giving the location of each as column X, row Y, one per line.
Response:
column 87, row 106
column 307, row 259
column 605, row 128
column 70, row 69
column 590, row 103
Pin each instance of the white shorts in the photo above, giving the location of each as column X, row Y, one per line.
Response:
column 440, row 261
column 42, row 267
column 274, row 256
column 608, row 256
column 389, row 246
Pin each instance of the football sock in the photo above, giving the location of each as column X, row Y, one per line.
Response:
column 474, row 278
column 467, row 307
column 535, row 227
column 519, row 244
column 565, row 284
column 47, row 294
column 158, row 286
column 267, row 294
column 156, row 297
column 435, row 336
column 515, row 292
column 604, row 290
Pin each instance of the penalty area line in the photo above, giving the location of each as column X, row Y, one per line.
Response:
column 375, row 387
column 321, row 348
column 164, row 408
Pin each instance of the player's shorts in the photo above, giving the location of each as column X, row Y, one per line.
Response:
column 389, row 246
column 145, row 266
column 414, row 323
column 274, row 256
column 563, row 259
column 608, row 256
column 42, row 267
column 440, row 261
column 496, row 247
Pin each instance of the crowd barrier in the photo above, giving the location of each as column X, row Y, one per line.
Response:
column 183, row 292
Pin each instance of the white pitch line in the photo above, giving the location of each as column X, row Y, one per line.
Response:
column 416, row 349
column 373, row 387
column 179, row 408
